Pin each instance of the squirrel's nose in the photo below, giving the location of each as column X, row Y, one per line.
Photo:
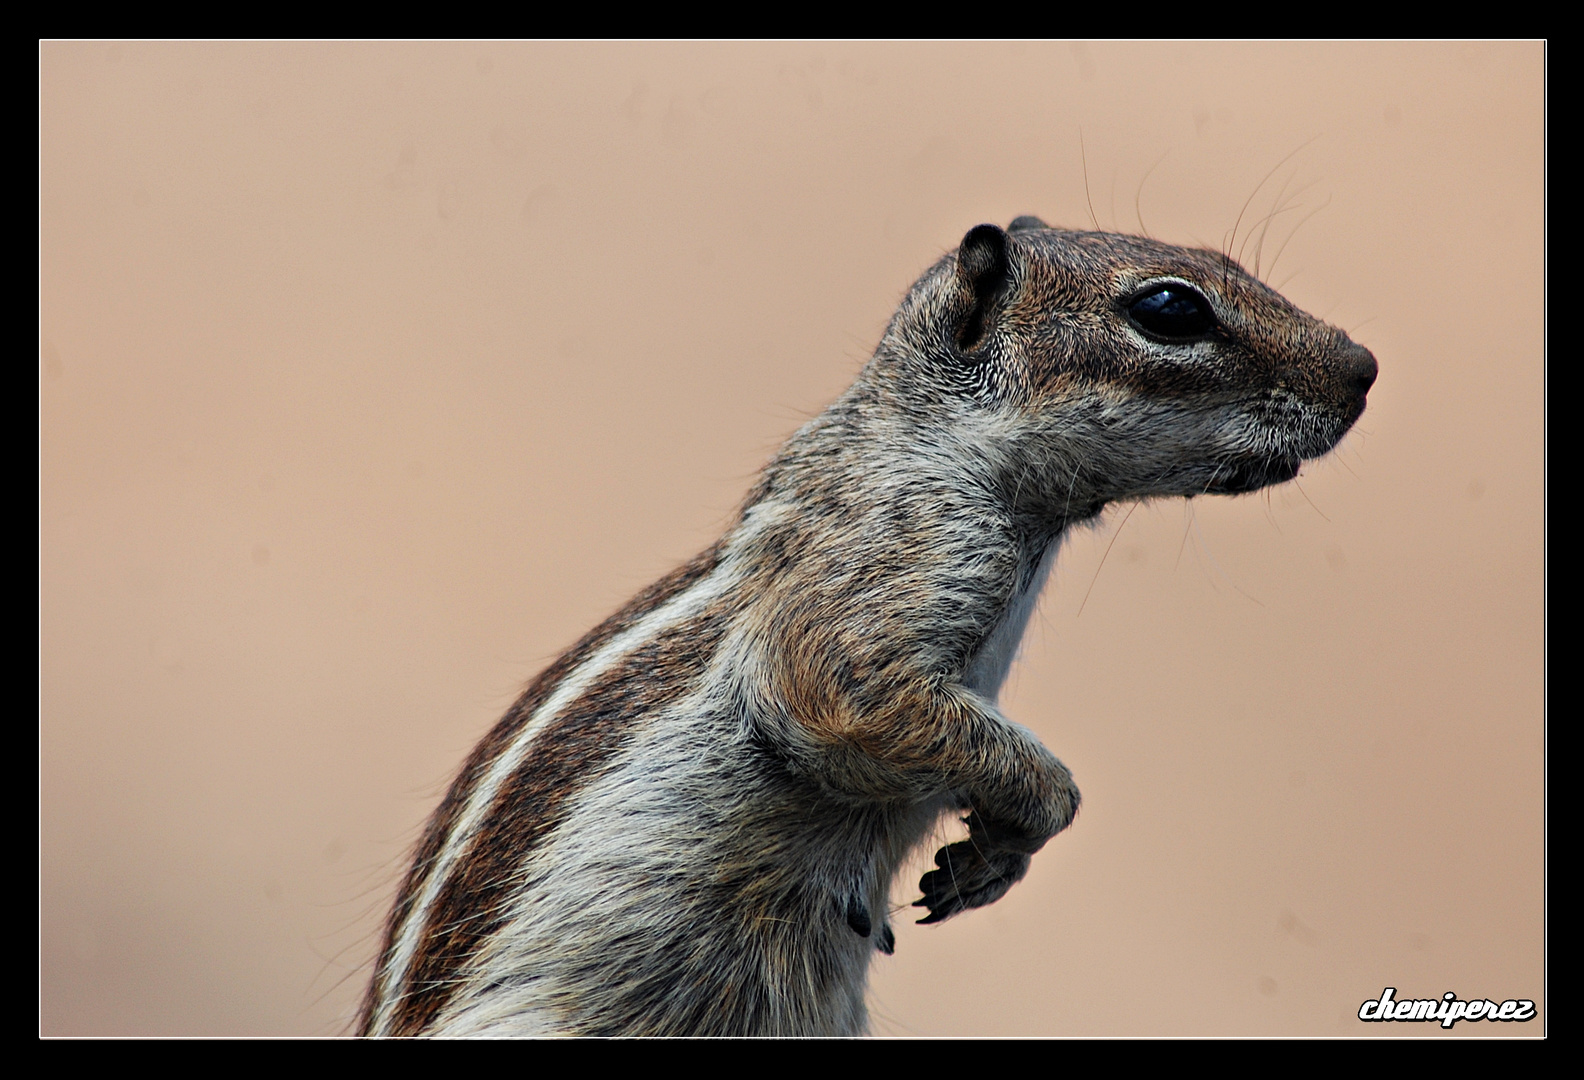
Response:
column 1360, row 369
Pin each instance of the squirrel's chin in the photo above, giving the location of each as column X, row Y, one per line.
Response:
column 1239, row 477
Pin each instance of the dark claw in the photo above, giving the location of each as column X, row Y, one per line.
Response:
column 858, row 917
column 887, row 942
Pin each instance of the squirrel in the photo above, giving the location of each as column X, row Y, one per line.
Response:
column 689, row 824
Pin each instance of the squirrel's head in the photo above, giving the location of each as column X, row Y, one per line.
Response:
column 1131, row 367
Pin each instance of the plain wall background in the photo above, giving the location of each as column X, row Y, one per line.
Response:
column 372, row 375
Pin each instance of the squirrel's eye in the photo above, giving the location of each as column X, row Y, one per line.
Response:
column 1174, row 312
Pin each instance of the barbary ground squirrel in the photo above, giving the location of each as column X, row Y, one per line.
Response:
column 690, row 822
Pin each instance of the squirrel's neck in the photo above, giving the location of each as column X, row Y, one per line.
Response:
column 988, row 668
column 931, row 502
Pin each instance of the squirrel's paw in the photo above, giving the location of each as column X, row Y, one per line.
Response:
column 971, row 874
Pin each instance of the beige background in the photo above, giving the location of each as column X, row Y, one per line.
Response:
column 372, row 375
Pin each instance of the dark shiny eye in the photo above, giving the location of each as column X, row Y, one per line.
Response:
column 1174, row 312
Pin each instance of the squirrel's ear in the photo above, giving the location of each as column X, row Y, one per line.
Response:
column 984, row 270
column 1026, row 221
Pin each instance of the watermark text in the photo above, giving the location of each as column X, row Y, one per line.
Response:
column 1446, row 1010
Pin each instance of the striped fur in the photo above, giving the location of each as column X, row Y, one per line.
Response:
column 691, row 822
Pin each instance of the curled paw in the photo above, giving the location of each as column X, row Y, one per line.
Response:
column 968, row 874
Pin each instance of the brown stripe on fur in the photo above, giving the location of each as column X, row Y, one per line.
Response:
column 572, row 751
column 500, row 737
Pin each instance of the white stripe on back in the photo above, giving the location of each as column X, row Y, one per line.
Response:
column 683, row 605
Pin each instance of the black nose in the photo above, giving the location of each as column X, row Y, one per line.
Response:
column 1360, row 369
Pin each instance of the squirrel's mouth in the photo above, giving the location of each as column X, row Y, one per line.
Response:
column 1355, row 408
